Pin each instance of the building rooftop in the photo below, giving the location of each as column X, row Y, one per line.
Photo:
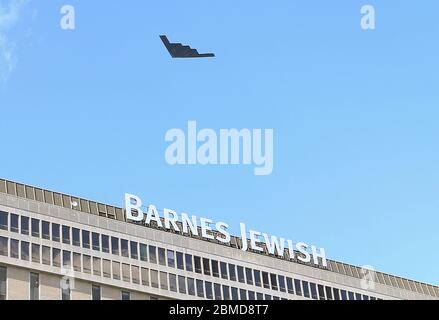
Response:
column 111, row 212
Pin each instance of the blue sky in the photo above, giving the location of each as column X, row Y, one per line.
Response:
column 355, row 115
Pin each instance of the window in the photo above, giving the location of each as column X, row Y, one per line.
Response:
column 152, row 250
column 45, row 228
column 76, row 237
column 215, row 268
column 226, row 292
column 95, row 292
column 85, row 239
column 257, row 275
column 46, row 255
column 249, row 275
column 24, row 225
column 66, row 259
column 298, row 287
column 55, row 232
column 259, row 296
column 4, row 246
column 328, row 293
column 124, row 248
column 154, row 279
column 116, row 270
column 35, row 253
column 321, row 291
column 235, row 293
column 197, row 263
column 265, row 280
column 290, row 285
column 134, row 251
column 273, row 279
column 162, row 256
column 305, row 289
column 126, row 272
column 344, row 295
column 143, row 252
column 34, row 286
column 77, row 262
column 200, row 288
column 209, row 291
column 135, row 274
column 66, row 234
column 106, row 268
column 358, row 296
column 282, row 284
column 180, row 262
column 65, row 289
column 3, row 277
column 191, row 286
column 105, row 243
column 223, row 267
column 188, row 259
column 243, row 294
column 56, row 257
column 115, row 246
column 3, row 220
column 232, row 272
column 313, row 291
column 95, row 243
column 171, row 259
column 251, row 295
column 14, row 248
column 351, row 295
column 336, row 294
column 96, row 266
column 86, row 264
column 24, row 250
column 217, row 290
column 206, row 266
column 241, row 276
column 126, row 295
column 173, row 282
column 163, row 280
column 14, row 223
column 145, row 276
column 35, row 224
column 181, row 284
column 267, row 297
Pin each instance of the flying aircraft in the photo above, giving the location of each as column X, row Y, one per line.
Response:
column 177, row 50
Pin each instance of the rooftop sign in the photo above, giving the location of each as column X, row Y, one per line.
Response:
column 189, row 224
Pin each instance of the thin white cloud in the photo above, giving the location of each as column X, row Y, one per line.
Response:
column 9, row 17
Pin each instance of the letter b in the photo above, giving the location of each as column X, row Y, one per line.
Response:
column 132, row 205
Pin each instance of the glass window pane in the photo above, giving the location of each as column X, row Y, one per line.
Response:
column 115, row 246
column 243, row 294
column 154, row 279
column 152, row 250
column 163, row 280
column 206, row 266
column 197, row 263
column 188, row 260
column 181, row 284
column 232, row 272
column 241, row 276
column 24, row 250
column 305, row 287
column 85, row 239
column 36, row 253
column 106, row 268
column 66, row 234
column 215, row 268
column 134, row 251
column 273, row 279
column 55, row 232
column 124, row 248
column 282, row 287
column 313, row 291
column 4, row 244
column 173, row 282
column 200, row 288
column 3, row 284
column 171, row 259
column 14, row 223
column 95, row 241
column 217, row 291
column 321, row 291
column 298, row 287
column 265, row 280
column 45, row 228
column 209, row 290
column 337, row 294
column 96, row 293
column 14, row 248
column 4, row 217
column 34, row 286
column 24, row 225
column 290, row 285
column 56, row 257
column 145, row 276
column 97, row 271
column 223, row 267
column 35, row 224
column 126, row 296
column 86, row 264
column 180, row 262
column 191, row 286
column 66, row 259
column 116, row 270
column 235, row 293
column 257, row 275
column 143, row 252
column 328, row 293
column 77, row 262
column 249, row 275
column 76, row 237
column 226, row 292
column 162, row 256
column 126, row 272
